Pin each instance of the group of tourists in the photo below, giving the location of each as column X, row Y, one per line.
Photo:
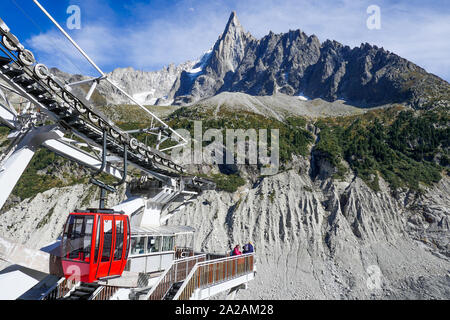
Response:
column 248, row 248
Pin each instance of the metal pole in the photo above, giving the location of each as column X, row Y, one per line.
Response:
column 146, row 110
column 91, row 91
column 176, row 273
column 226, row 270
column 102, row 198
column 101, row 72
column 68, row 37
column 72, row 84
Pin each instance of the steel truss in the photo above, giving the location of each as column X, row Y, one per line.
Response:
column 56, row 101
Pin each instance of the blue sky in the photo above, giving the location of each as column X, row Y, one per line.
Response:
column 148, row 35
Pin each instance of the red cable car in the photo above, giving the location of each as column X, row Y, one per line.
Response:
column 95, row 245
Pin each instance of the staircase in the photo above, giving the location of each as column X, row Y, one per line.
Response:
column 83, row 292
column 171, row 278
column 211, row 277
column 173, row 291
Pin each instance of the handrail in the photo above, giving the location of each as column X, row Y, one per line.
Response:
column 58, row 290
column 187, row 288
column 178, row 271
column 183, row 252
column 209, row 273
column 104, row 293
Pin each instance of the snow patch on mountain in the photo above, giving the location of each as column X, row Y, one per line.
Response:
column 147, row 87
column 301, row 96
column 143, row 97
column 200, row 65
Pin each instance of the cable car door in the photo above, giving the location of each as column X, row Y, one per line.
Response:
column 120, row 223
column 107, row 235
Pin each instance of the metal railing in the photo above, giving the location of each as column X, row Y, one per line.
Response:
column 214, row 256
column 209, row 273
column 59, row 290
column 104, row 293
column 183, row 252
column 178, row 271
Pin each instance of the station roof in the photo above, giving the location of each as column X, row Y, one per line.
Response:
column 161, row 230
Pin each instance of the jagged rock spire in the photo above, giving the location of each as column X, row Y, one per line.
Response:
column 233, row 26
column 293, row 63
column 230, row 47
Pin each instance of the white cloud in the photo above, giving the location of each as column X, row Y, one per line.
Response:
column 55, row 50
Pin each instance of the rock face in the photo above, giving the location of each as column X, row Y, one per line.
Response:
column 278, row 106
column 314, row 238
column 296, row 64
column 145, row 87
column 219, row 65
column 291, row 63
column 148, row 88
column 330, row 240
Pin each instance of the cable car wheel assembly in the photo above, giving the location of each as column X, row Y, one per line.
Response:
column 71, row 112
column 95, row 241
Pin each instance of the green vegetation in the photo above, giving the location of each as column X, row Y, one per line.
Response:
column 4, row 131
column 229, row 183
column 330, row 147
column 46, row 218
column 148, row 139
column 96, row 98
column 406, row 148
column 32, row 183
column 133, row 113
column 293, row 139
column 272, row 196
column 403, row 147
column 400, row 145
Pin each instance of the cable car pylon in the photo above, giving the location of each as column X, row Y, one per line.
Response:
column 128, row 246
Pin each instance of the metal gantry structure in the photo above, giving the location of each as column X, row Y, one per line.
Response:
column 58, row 118
column 52, row 99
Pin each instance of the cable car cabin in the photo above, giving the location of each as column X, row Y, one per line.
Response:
column 95, row 245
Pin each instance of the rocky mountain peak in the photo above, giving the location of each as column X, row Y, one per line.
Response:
column 294, row 63
column 233, row 26
column 230, row 47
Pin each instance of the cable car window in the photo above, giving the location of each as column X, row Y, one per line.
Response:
column 78, row 226
column 154, row 244
column 107, row 240
column 97, row 241
column 167, row 243
column 119, row 240
column 87, row 236
column 133, row 245
column 128, row 240
column 137, row 245
column 77, row 237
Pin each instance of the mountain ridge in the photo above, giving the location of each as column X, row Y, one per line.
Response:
column 294, row 63
column 291, row 63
